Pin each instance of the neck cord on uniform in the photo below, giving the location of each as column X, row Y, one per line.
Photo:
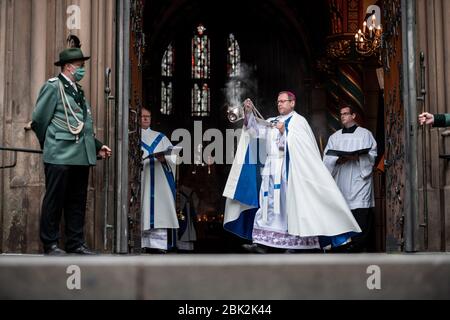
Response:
column 80, row 124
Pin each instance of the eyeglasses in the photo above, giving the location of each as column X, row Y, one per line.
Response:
column 282, row 101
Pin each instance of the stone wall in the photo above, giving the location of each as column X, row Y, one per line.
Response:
column 32, row 33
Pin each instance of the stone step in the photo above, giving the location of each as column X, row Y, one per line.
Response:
column 235, row 276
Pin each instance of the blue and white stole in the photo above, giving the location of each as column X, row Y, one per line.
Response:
column 276, row 166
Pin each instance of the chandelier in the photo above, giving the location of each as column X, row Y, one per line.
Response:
column 368, row 40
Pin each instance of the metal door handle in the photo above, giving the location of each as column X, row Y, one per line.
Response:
column 106, row 128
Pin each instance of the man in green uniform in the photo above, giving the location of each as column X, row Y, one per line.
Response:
column 62, row 121
column 437, row 120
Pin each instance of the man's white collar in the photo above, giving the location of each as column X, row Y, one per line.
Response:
column 70, row 81
column 286, row 116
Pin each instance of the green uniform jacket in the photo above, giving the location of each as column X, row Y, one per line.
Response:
column 442, row 120
column 59, row 145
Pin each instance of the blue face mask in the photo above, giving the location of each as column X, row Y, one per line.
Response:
column 79, row 73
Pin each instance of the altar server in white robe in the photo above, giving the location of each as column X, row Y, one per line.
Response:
column 353, row 174
column 296, row 204
column 159, row 219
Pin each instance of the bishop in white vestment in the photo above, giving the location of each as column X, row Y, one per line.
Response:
column 297, row 204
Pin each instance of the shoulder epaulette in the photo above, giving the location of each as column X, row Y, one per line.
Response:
column 53, row 79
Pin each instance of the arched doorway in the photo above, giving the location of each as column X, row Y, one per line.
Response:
column 280, row 45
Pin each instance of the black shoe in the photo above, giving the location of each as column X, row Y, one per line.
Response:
column 255, row 248
column 53, row 250
column 153, row 251
column 302, row 251
column 354, row 248
column 345, row 248
column 82, row 250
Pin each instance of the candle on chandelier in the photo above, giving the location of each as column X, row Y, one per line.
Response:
column 364, row 26
column 378, row 30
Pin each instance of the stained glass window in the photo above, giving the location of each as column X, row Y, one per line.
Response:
column 234, row 57
column 200, row 100
column 200, row 54
column 167, row 71
column 200, row 60
column 234, row 89
column 166, row 97
column 168, row 62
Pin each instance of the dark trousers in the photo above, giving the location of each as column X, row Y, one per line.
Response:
column 66, row 190
column 364, row 217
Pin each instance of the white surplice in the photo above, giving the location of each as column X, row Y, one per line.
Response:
column 157, row 192
column 354, row 178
